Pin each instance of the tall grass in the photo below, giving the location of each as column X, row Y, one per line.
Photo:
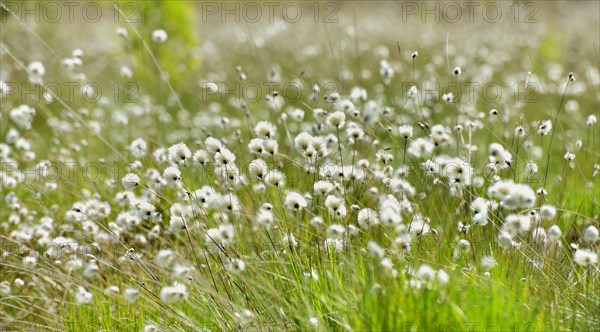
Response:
column 474, row 219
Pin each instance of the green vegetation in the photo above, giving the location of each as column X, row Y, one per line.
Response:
column 366, row 204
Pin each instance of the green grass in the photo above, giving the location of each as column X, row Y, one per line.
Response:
column 530, row 288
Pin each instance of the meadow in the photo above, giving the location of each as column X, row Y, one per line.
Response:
column 270, row 166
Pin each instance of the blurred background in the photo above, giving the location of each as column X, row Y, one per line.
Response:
column 316, row 41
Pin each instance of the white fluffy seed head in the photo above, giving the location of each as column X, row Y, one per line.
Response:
column 405, row 131
column 130, row 181
column 295, row 201
column 554, row 233
column 545, row 127
column 265, row 129
column 425, row 273
column 121, row 32
column 258, row 169
column 213, row 145
column 591, row 234
column 175, row 293
column 172, row 174
column 159, row 36
column 138, row 148
column 36, row 69
column 367, row 218
column 547, row 212
column 303, row 141
column 585, row 257
column 336, row 119
column 179, row 153
column 131, row 295
column 275, row 178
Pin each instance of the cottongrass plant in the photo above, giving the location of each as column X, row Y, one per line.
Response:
column 343, row 212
